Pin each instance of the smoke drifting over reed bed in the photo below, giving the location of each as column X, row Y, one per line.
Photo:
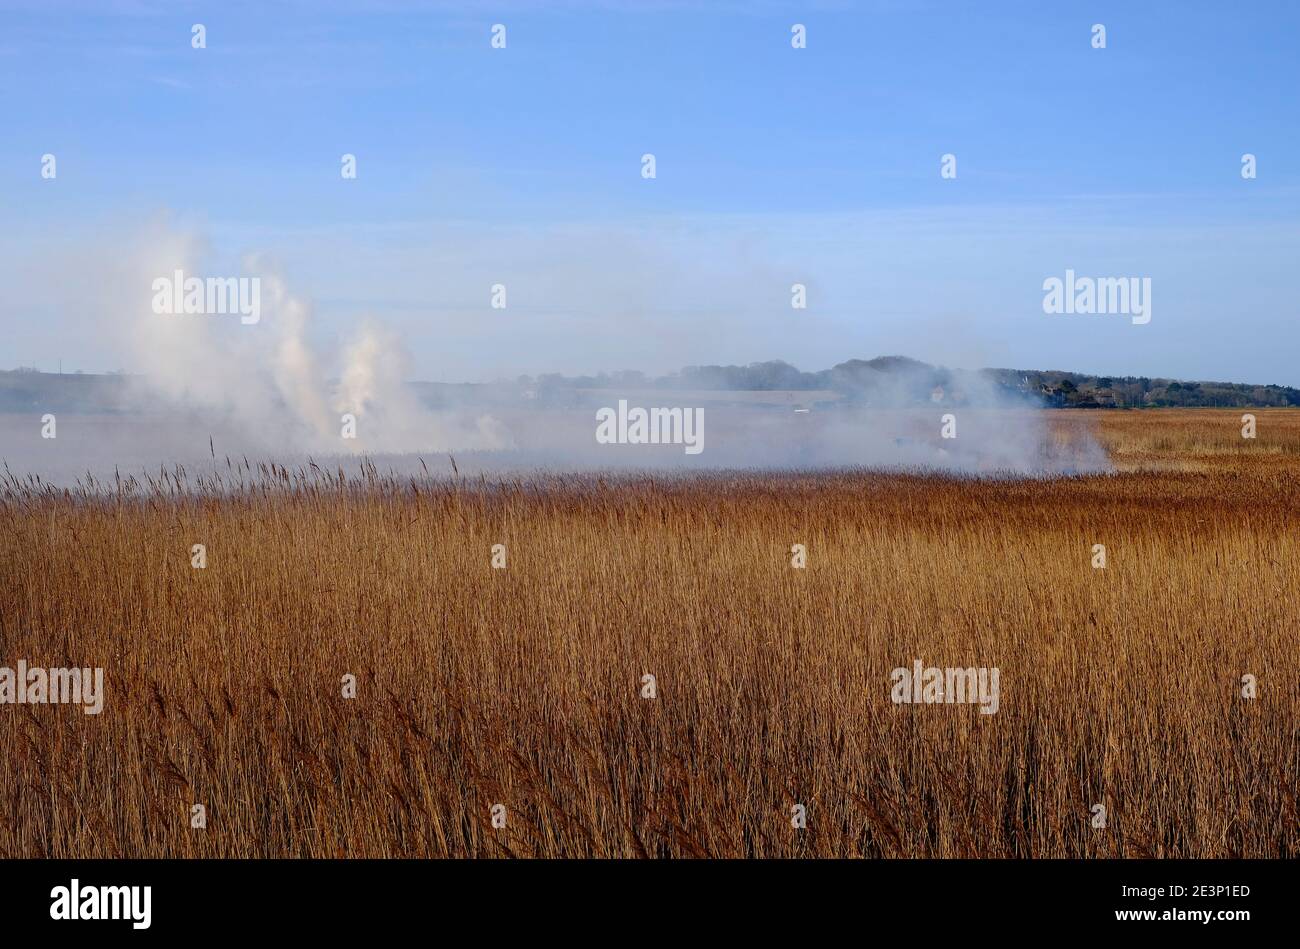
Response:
column 235, row 356
column 261, row 384
column 994, row 443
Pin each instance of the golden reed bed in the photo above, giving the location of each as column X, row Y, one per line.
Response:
column 523, row 687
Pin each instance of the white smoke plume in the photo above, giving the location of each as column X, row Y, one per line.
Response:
column 268, row 383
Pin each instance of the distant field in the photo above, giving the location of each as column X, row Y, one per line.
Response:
column 523, row 686
column 1198, row 439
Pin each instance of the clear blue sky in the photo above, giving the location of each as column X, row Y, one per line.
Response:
column 522, row 166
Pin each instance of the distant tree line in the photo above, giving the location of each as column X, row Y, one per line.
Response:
column 1078, row 390
column 858, row 379
column 885, row 379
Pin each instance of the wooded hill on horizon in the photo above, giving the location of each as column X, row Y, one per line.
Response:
column 883, row 380
column 900, row 378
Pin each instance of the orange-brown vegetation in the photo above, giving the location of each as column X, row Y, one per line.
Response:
column 522, row 686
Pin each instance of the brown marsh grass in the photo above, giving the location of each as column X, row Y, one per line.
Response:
column 477, row 686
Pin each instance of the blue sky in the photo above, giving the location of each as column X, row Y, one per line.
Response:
column 774, row 166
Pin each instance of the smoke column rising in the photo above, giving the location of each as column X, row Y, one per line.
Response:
column 266, row 379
